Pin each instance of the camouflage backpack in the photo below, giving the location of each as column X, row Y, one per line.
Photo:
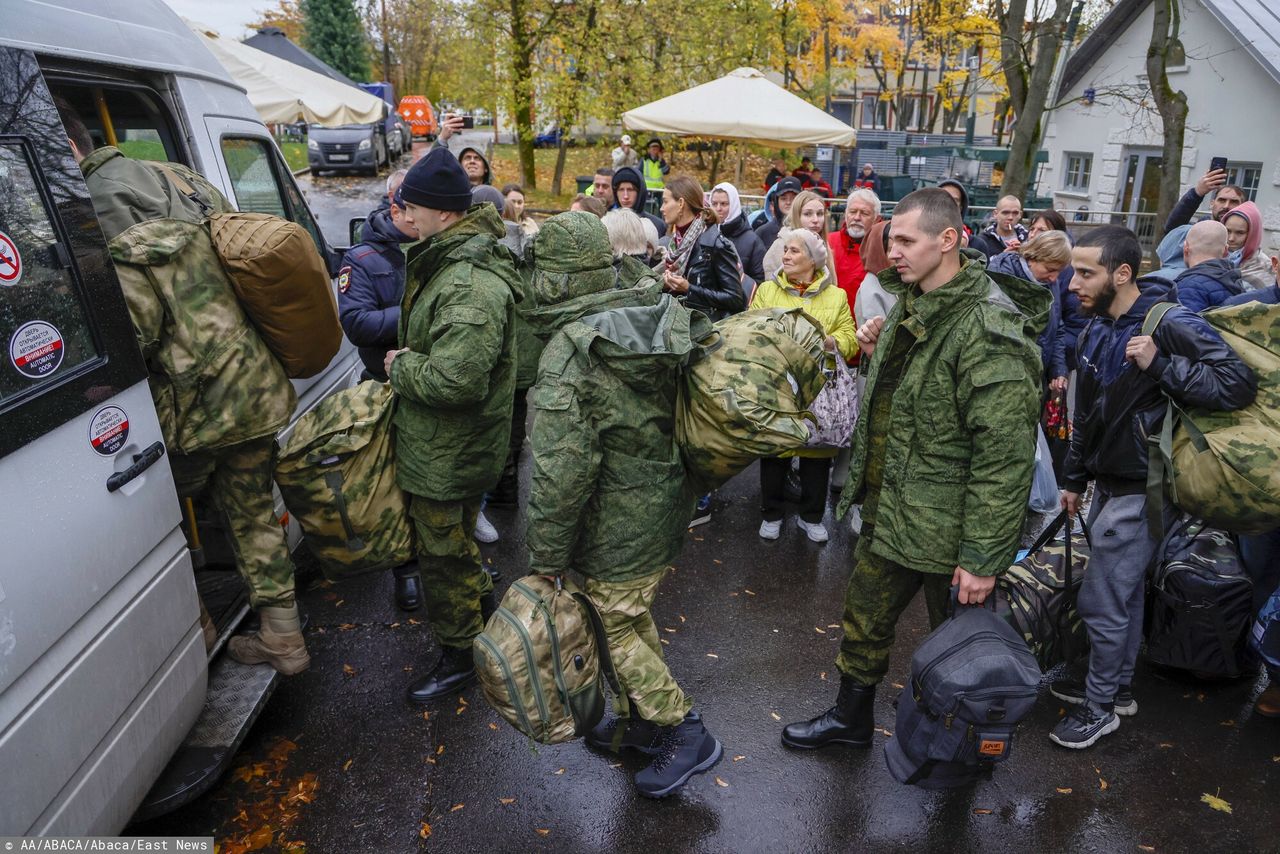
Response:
column 1224, row 467
column 543, row 659
column 746, row 395
column 337, row 474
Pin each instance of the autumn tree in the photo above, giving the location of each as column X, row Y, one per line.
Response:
column 287, row 16
column 335, row 33
column 429, row 50
column 1165, row 49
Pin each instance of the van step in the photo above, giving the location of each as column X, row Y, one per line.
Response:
column 237, row 694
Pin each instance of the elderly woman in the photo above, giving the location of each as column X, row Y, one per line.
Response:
column 803, row 282
column 1040, row 260
column 808, row 212
column 630, row 242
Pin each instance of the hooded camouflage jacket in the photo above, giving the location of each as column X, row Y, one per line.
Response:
column 457, row 383
column 213, row 379
column 610, row 498
column 961, row 436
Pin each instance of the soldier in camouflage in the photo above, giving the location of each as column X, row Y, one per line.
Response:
column 610, row 498
column 454, row 376
column 943, row 456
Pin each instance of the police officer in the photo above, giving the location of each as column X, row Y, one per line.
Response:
column 454, row 376
column 942, row 458
column 654, row 166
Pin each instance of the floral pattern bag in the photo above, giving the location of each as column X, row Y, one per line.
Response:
column 835, row 409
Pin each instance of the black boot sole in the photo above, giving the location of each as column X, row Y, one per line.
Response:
column 795, row 745
column 425, row 700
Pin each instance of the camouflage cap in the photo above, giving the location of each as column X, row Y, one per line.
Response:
column 571, row 258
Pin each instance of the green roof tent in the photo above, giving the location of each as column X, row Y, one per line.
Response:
column 982, row 196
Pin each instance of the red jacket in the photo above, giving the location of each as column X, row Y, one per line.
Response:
column 846, row 255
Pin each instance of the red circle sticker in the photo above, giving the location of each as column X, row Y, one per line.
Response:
column 108, row 430
column 35, row 350
column 10, row 261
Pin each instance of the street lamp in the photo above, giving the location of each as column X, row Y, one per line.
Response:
column 971, row 123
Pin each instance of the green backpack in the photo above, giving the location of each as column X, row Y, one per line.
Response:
column 543, row 659
column 746, row 395
column 1224, row 467
column 337, row 474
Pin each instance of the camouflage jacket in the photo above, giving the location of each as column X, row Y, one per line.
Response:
column 961, row 436
column 610, row 498
column 457, row 385
column 213, row 379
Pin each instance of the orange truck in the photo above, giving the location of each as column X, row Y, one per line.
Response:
column 421, row 116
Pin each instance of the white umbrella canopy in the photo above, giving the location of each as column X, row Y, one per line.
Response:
column 282, row 92
column 744, row 105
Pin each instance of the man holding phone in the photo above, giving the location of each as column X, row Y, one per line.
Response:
column 1226, row 196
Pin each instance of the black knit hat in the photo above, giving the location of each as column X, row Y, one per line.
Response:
column 437, row 182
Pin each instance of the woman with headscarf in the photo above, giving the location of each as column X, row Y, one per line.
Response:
column 1244, row 239
column 733, row 225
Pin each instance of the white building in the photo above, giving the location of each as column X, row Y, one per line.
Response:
column 1104, row 138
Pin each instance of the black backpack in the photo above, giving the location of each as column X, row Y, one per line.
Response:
column 972, row 680
column 1200, row 603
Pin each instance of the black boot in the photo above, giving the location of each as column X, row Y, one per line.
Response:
column 455, row 670
column 408, row 587
column 850, row 721
column 488, row 605
column 507, row 492
column 636, row 734
column 683, row 750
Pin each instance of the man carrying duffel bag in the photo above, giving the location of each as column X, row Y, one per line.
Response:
column 1120, row 400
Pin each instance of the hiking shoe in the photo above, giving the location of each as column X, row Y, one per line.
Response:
column 770, row 530
column 1072, row 691
column 629, row 733
column 702, row 514
column 1084, row 725
column 816, row 531
column 485, row 532
column 683, row 750
column 278, row 641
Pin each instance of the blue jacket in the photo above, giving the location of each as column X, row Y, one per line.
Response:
column 1207, row 285
column 370, row 287
column 1270, row 295
column 1074, row 318
column 1118, row 405
column 1052, row 341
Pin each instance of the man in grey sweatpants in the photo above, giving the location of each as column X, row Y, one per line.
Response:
column 1126, row 369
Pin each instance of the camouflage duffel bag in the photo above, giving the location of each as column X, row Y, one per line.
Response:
column 337, row 474
column 1037, row 595
column 543, row 659
column 1224, row 467
column 745, row 396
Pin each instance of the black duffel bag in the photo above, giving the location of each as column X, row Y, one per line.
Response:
column 1200, row 603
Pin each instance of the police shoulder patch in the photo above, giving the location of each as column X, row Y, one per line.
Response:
column 344, row 279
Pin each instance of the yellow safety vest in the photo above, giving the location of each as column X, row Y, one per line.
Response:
column 652, row 173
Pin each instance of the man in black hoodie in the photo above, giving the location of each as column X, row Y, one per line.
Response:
column 629, row 191
column 784, row 193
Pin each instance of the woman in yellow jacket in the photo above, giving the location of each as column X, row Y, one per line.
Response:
column 803, row 282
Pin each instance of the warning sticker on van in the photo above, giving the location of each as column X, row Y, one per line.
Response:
column 108, row 430
column 35, row 350
column 10, row 261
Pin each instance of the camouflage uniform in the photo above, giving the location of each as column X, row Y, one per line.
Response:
column 220, row 394
column 453, row 415
column 942, row 461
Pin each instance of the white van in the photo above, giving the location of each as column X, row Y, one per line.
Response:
column 105, row 683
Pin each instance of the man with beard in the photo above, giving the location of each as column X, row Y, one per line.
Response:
column 860, row 213
column 1124, row 377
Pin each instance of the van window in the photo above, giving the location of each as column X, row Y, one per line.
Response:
column 44, row 327
column 256, row 179
column 133, row 119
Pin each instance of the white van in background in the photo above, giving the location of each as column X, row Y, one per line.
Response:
column 106, row 690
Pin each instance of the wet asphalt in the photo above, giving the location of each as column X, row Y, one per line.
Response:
column 339, row 762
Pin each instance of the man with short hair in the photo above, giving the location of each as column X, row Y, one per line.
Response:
column 602, row 187
column 454, row 377
column 1226, row 198
column 819, row 184
column 1209, row 279
column 1005, row 231
column 861, row 211
column 654, row 166
column 777, row 173
column 943, row 455
column 1124, row 381
column 624, row 154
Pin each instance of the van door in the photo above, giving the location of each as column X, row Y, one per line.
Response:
column 102, row 665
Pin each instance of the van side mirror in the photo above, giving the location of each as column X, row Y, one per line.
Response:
column 354, row 227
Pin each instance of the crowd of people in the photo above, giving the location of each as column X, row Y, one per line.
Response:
column 474, row 312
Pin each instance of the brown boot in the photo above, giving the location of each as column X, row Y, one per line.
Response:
column 1268, row 702
column 278, row 642
column 208, row 628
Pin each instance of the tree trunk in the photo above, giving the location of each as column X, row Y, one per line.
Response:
column 522, row 91
column 715, row 163
column 1029, row 127
column 1171, row 103
column 561, row 150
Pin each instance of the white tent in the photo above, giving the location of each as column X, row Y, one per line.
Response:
column 282, row 92
column 744, row 105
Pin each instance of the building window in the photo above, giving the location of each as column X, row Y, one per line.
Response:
column 875, row 112
column 915, row 113
column 1246, row 177
column 1075, row 176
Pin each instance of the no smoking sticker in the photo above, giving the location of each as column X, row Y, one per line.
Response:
column 35, row 350
column 109, row 430
column 10, row 261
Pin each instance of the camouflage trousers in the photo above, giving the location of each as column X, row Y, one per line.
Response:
column 636, row 650
column 238, row 480
column 879, row 591
column 449, row 561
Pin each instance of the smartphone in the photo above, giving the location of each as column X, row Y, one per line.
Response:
column 469, row 122
column 1217, row 164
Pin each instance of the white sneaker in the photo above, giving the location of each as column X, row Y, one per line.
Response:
column 817, row 532
column 855, row 519
column 485, row 532
column 770, row 530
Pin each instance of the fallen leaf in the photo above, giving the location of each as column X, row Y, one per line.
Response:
column 833, row 625
column 739, row 758
column 346, row 766
column 346, row 627
column 260, row 838
column 721, row 783
column 616, row 765
column 775, row 716
column 414, row 622
column 460, row 709
column 505, row 801
column 338, row 604
column 561, row 771
column 897, row 685
column 664, row 640
column 1103, row 785
column 431, row 760
column 349, row 670
column 408, row 668
column 735, row 593
column 748, row 592
column 669, row 630
column 712, row 655
column 886, row 732
column 1064, row 790
column 425, row 830
column 1146, row 848
column 1200, row 697
column 1165, row 745
column 439, row 750
column 1216, row 803
column 426, row 716
column 823, row 676
column 493, row 726
column 713, row 560
column 681, row 616
column 982, row 811
column 542, row 831
column 394, row 626
column 456, row 807
column 819, row 631
column 1227, row 723
column 462, row 700
column 1275, row 758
